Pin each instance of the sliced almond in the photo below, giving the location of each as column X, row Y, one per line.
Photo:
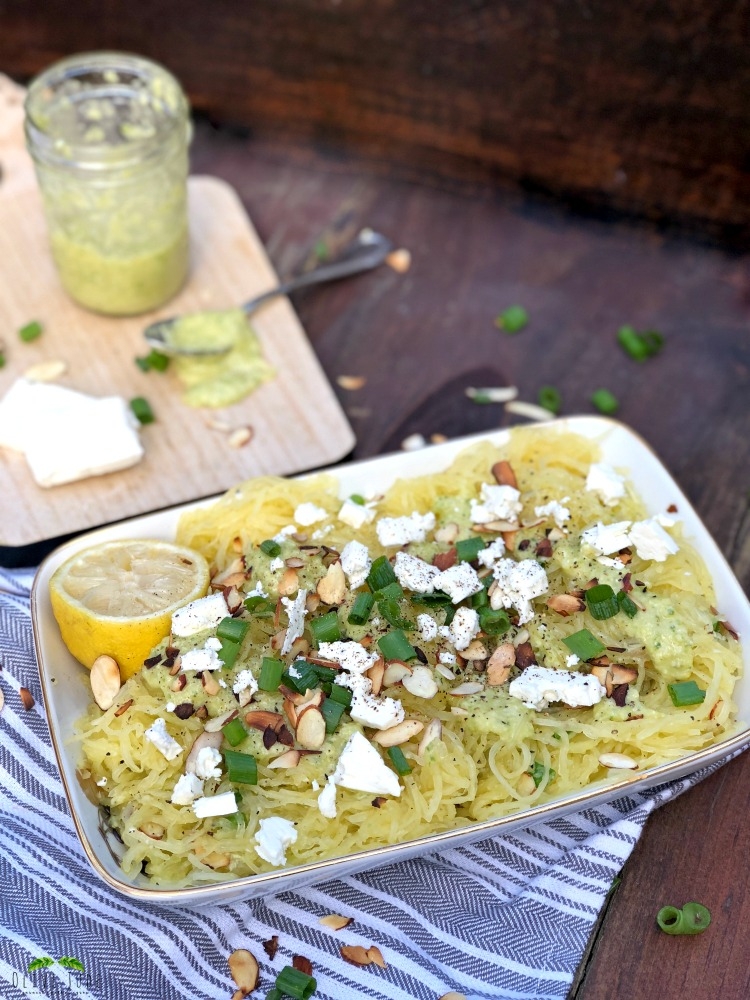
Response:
column 105, row 681
column 210, row 684
column 217, row 859
column 335, row 921
column 236, row 570
column 618, row 760
column 27, row 698
column 438, row 438
column 476, row 650
column 399, row 260
column 459, row 712
column 504, row 474
column 237, row 543
column 447, row 534
column 444, row 560
column 604, row 676
column 311, row 729
column 201, row 742
column 445, row 671
column 509, row 537
column 153, row 830
column 376, row 674
column 395, row 672
column 300, row 648
column 45, row 371
column 311, row 699
column 467, row 688
column 216, row 724
column 302, row 964
column 332, row 588
column 499, row 664
column 312, row 603
column 623, row 675
column 355, row 954
column 453, row 996
column 264, row 720
column 244, row 698
column 123, row 708
column 178, row 683
column 244, row 970
column 566, row 604
column 289, row 583
column 290, row 758
column 712, row 714
column 2, row 701
column 526, row 784
column 398, row 734
column 433, row 731
column 351, row 382
column 240, row 437
column 376, row 956
column 277, row 640
column 495, row 527
column 294, row 562
column 421, row 683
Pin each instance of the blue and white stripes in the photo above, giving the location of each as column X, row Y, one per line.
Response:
column 504, row 919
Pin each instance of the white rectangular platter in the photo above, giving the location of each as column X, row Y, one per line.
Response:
column 67, row 692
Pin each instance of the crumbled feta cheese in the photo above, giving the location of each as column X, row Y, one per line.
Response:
column 164, row 743
column 518, row 583
column 607, row 538
column 609, row 561
column 199, row 615
column 356, row 563
column 490, row 555
column 273, row 838
column 499, row 503
column 555, row 510
column 322, row 532
column 376, row 713
column 102, row 782
column 296, row 612
column 458, row 582
column 309, row 513
column 361, row 768
column 538, row 686
column 603, row 479
column 427, row 626
column 188, row 788
column 402, row 530
column 327, row 800
column 356, row 515
column 170, row 706
column 212, row 643
column 572, row 660
column 200, row 660
column 207, row 763
column 257, row 591
column 215, row 805
column 245, row 681
column 651, row 541
column 414, row 573
column 281, row 537
column 421, row 682
column 352, row 656
column 447, row 657
column 464, row 627
column 276, row 564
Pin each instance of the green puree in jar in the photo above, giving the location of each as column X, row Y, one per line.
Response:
column 219, row 379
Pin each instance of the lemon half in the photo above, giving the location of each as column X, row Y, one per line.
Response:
column 118, row 598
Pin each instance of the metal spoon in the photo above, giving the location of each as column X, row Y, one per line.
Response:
column 367, row 251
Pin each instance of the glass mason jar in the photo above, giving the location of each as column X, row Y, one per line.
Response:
column 109, row 134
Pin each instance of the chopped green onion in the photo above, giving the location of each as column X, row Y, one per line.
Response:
column 270, row 547
column 538, row 771
column 493, row 622
column 437, row 598
column 242, row 768
column 363, row 605
column 585, row 645
column 602, row 602
column 304, row 677
column 233, row 629
column 260, row 606
column 274, row 994
column 2, row 360
column 684, row 693
column 154, row 361
column 481, row 397
column 399, row 761
column 340, row 694
column 480, row 599
column 450, row 613
column 234, row 732
column 381, row 574
column 395, row 646
column 469, row 548
column 142, row 410
column 394, row 591
column 605, row 401
column 639, row 346
column 356, row 498
column 693, row 918
column 270, row 674
column 392, row 613
column 293, row 983
column 549, row 397
column 332, row 711
column 326, row 628
column 30, row 331
column 229, row 652
column 512, row 320
column 627, row 605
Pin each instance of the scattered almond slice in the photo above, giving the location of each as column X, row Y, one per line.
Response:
column 105, row 681
column 216, row 724
column 529, row 410
column 201, row 742
column 395, row 672
column 492, row 393
column 433, row 731
column 27, row 698
column 311, row 729
column 240, row 437
column 376, row 956
column 526, row 784
column 263, row 720
column 302, row 964
column 289, row 758
column 453, row 996
column 399, row 260
column 438, row 438
column 332, row 587
column 476, row 650
column 218, row 425
column 355, row 954
column 447, row 534
column 398, row 734
column 617, row 760
column 2, row 701
column 123, row 708
column 335, row 921
column 468, row 687
column 244, row 970
column 45, row 371
column 351, row 382
column 504, row 474
column 566, row 604
column 210, row 684
column 153, row 830
column 414, row 442
column 500, row 663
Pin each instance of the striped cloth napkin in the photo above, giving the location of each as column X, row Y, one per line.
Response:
column 504, row 919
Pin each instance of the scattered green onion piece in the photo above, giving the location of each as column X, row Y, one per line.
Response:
column 469, row 548
column 394, row 591
column 332, row 712
column 693, row 918
column 293, row 983
column 229, row 652
column 304, row 677
column 392, row 613
column 234, row 732
column 639, row 346
column 381, row 574
column 270, row 674
column 340, row 694
column 538, row 771
column 363, row 605
column 270, row 547
column 480, row 599
column 480, row 397
column 242, row 768
column 605, row 401
column 513, row 319
column 30, row 331
column 143, row 364
column 653, row 340
column 356, row 498
column 2, row 360
column 585, row 645
column 494, row 622
column 274, row 994
column 326, row 674
column 437, row 598
column 142, row 410
column 399, row 761
column 450, row 613
column 395, row 646
column 627, row 605
column 549, row 397
column 326, row 628
column 233, row 629
column 154, row 361
column 602, row 602
column 685, row 693
column 260, row 606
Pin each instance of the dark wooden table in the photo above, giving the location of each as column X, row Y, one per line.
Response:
column 421, row 337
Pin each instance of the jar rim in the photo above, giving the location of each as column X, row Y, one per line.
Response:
column 86, row 77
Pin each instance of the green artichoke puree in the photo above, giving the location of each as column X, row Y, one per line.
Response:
column 218, row 380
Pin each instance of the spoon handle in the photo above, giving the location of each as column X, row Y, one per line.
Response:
column 368, row 250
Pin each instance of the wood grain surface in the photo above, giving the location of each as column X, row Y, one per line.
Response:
column 641, row 107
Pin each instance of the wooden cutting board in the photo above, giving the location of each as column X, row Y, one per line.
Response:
column 296, row 420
